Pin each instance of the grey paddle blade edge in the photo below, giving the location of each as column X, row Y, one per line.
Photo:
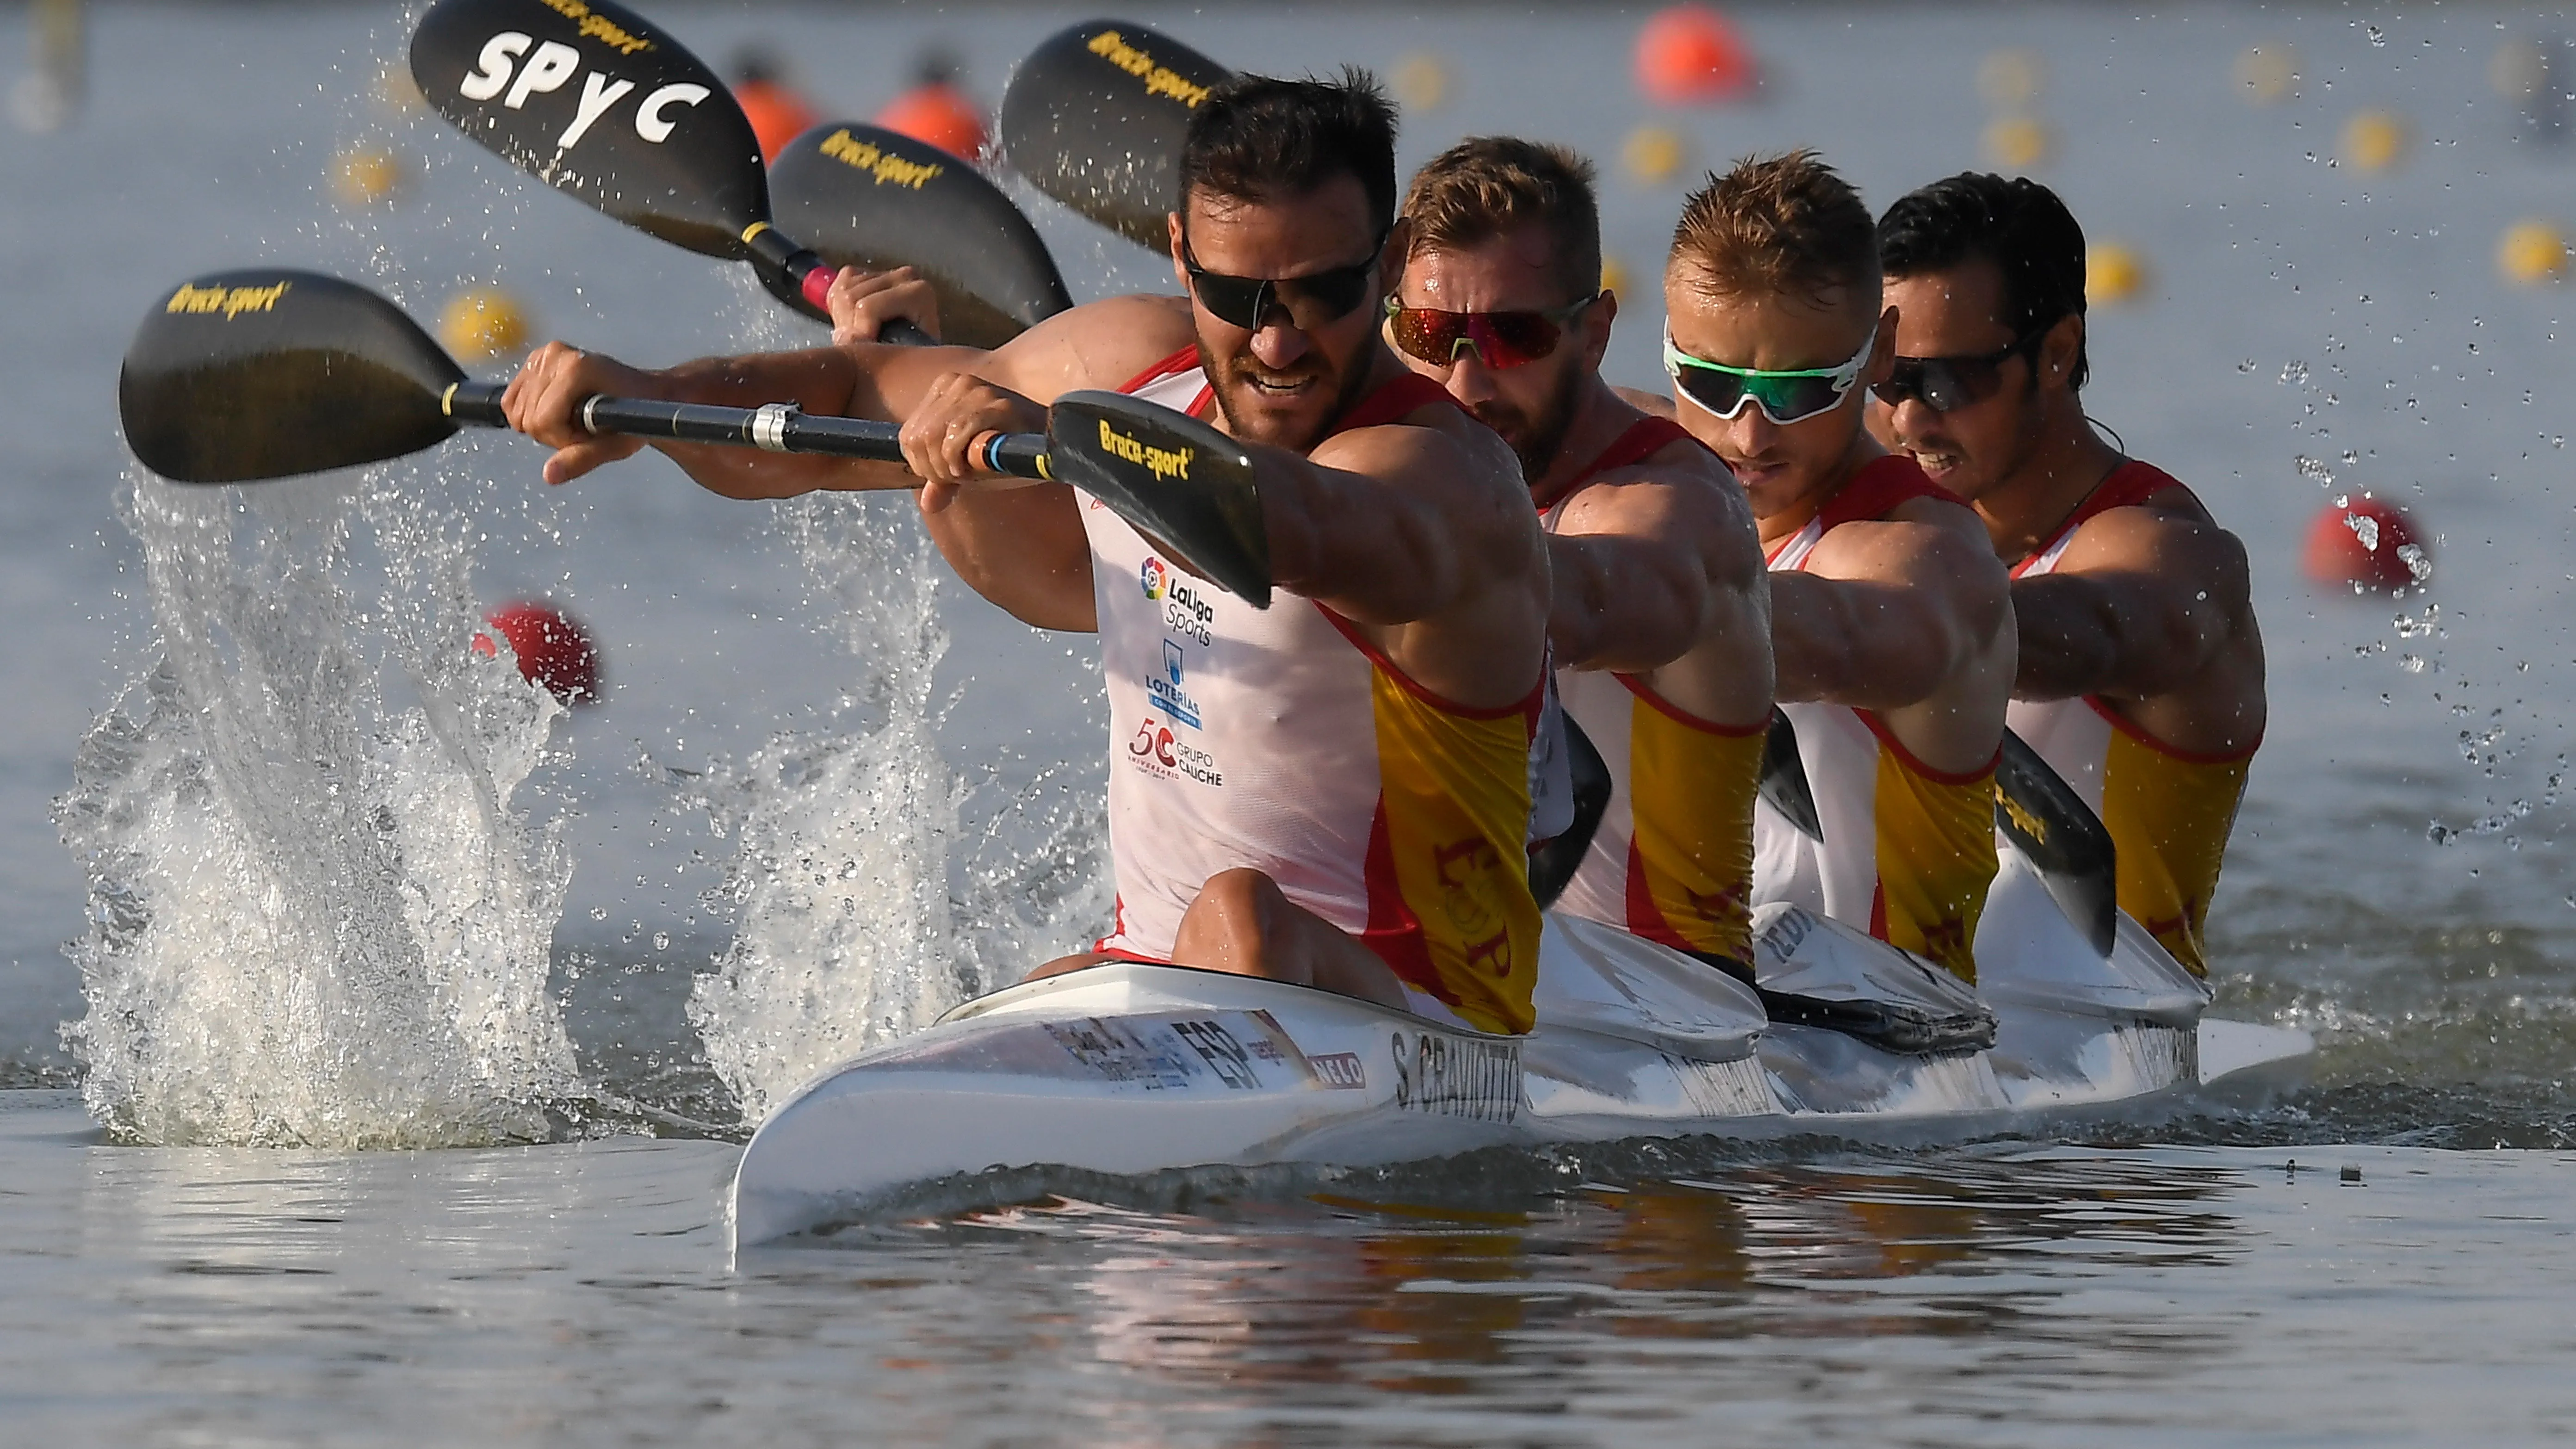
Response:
column 1784, row 784
column 269, row 373
column 2044, row 816
column 1185, row 486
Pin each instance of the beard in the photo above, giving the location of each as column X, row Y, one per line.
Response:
column 1537, row 437
column 1234, row 382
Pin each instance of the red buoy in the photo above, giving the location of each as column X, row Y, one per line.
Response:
column 551, row 648
column 940, row 114
column 2365, row 542
column 1691, row 55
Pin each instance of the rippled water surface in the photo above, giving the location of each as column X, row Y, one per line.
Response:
column 331, row 884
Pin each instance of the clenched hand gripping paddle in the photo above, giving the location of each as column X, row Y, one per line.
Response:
column 595, row 101
column 865, row 197
column 244, row 376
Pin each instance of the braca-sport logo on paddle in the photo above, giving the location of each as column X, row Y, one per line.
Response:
column 1095, row 117
column 266, row 374
column 1187, row 488
column 580, row 93
column 863, row 196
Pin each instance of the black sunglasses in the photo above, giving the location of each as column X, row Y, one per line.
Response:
column 1947, row 384
column 1311, row 301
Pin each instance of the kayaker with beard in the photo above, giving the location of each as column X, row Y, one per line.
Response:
column 1334, row 791
column 2141, row 669
column 1891, row 621
column 1660, row 622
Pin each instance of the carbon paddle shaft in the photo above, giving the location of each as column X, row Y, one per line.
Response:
column 777, row 428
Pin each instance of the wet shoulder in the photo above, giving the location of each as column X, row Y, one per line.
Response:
column 1106, row 343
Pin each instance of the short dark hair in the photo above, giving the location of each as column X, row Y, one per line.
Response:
column 1487, row 185
column 1256, row 137
column 1779, row 224
column 2018, row 225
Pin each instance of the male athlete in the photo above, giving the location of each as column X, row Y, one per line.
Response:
column 1333, row 791
column 1891, row 621
column 2141, row 675
column 1660, row 620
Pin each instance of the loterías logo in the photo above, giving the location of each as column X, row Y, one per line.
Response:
column 1152, row 576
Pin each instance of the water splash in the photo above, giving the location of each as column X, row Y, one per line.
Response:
column 858, row 916
column 317, row 915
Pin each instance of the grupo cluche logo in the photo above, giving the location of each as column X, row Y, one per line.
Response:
column 1153, row 577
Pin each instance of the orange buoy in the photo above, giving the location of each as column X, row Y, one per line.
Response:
column 940, row 114
column 551, row 648
column 1691, row 55
column 2368, row 543
column 777, row 114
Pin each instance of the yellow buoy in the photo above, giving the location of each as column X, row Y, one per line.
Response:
column 480, row 323
column 2016, row 143
column 2373, row 141
column 1654, row 153
column 2266, row 74
column 1421, row 82
column 2009, row 80
column 1614, row 275
column 364, row 176
column 2532, row 252
column 2113, row 274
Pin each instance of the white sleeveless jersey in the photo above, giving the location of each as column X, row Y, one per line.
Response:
column 1908, row 851
column 1672, row 860
column 2169, row 811
column 1278, row 740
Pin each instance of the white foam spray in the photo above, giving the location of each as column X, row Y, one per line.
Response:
column 318, row 916
column 860, row 911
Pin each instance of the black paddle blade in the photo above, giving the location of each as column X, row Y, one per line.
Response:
column 1784, row 779
column 863, row 196
column 1095, row 118
column 2041, row 813
column 1187, row 487
column 592, row 100
column 265, row 374
column 1553, row 863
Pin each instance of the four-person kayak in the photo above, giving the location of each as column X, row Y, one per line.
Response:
column 1130, row 1068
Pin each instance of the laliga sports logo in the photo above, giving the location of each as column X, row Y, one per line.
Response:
column 552, row 65
column 1154, row 577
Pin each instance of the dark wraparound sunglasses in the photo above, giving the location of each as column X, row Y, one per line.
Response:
column 1947, row 384
column 1499, row 339
column 1311, row 301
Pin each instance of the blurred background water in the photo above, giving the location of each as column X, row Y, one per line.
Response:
column 829, row 791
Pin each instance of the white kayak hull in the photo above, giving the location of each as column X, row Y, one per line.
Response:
column 1126, row 1069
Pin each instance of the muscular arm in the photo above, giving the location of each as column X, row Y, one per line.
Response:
column 2142, row 603
column 1651, row 560
column 1886, row 613
column 1020, row 546
column 1389, row 525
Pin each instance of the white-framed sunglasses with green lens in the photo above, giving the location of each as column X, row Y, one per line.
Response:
column 1784, row 397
